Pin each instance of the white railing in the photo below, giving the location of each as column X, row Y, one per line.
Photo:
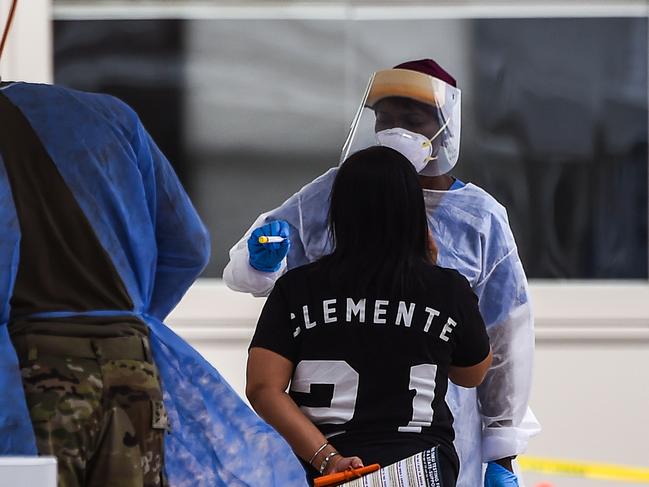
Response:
column 564, row 310
column 341, row 10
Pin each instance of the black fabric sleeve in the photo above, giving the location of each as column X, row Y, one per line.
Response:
column 275, row 329
column 471, row 339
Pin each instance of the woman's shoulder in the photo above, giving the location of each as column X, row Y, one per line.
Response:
column 298, row 275
column 445, row 275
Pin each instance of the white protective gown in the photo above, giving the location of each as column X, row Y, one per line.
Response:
column 473, row 236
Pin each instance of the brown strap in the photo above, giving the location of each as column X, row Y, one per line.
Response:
column 119, row 348
column 7, row 29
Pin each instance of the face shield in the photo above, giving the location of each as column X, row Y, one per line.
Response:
column 413, row 113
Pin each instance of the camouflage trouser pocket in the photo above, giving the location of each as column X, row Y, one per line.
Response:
column 135, row 385
column 103, row 419
column 64, row 390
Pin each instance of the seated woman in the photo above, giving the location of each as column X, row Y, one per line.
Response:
column 368, row 336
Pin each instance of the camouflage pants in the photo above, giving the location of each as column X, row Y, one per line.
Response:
column 101, row 416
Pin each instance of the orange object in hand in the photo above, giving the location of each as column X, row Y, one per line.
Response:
column 340, row 477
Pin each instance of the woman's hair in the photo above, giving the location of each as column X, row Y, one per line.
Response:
column 377, row 222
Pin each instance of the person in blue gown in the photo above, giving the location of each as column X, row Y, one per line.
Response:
column 127, row 201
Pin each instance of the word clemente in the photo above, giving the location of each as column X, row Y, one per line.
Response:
column 358, row 310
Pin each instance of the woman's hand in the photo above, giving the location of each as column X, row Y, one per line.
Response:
column 268, row 377
column 340, row 464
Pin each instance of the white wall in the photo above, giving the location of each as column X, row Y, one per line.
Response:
column 591, row 385
column 28, row 53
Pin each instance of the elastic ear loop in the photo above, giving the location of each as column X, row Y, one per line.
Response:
column 10, row 19
column 430, row 141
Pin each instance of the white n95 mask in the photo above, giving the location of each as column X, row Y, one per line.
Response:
column 417, row 148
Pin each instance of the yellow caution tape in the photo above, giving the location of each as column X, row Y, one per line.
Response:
column 600, row 471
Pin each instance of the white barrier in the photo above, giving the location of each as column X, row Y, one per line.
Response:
column 27, row 472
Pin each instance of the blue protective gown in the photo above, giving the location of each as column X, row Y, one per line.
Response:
column 158, row 245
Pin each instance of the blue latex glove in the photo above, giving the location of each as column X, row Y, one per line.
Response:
column 499, row 476
column 268, row 257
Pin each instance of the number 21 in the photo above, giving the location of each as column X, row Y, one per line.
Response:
column 343, row 401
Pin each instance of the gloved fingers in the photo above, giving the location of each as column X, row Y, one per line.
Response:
column 284, row 246
column 279, row 248
column 498, row 469
column 260, row 230
column 283, row 229
column 498, row 476
column 268, row 257
column 253, row 241
column 275, row 227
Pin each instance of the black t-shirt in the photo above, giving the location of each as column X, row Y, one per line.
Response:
column 371, row 371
